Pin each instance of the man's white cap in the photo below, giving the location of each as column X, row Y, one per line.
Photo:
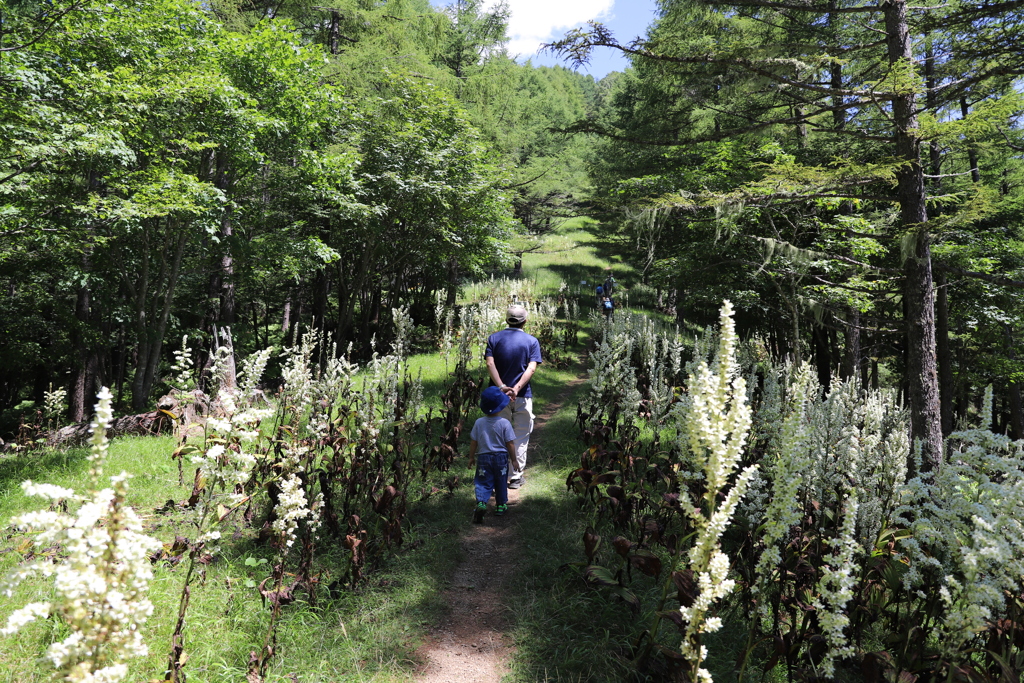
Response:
column 516, row 315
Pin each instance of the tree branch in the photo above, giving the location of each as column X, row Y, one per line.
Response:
column 994, row 279
column 46, row 30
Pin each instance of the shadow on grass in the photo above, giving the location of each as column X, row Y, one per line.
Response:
column 565, row 630
column 42, row 464
column 372, row 632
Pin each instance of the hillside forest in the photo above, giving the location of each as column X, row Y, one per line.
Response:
column 282, row 231
column 175, row 169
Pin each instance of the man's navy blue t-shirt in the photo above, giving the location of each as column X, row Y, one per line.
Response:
column 512, row 350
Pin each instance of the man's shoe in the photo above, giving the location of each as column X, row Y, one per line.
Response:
column 500, row 509
column 515, row 483
column 478, row 513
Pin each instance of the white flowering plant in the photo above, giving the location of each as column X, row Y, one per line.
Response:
column 101, row 572
column 683, row 498
column 832, row 561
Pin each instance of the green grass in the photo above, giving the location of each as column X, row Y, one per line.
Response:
column 367, row 635
column 564, row 630
column 574, row 254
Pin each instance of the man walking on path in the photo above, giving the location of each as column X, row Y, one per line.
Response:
column 512, row 358
column 609, row 285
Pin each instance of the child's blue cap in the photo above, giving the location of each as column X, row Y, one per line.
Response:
column 492, row 400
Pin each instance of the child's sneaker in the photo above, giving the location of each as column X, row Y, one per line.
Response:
column 500, row 509
column 478, row 513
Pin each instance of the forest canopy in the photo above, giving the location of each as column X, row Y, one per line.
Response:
column 176, row 168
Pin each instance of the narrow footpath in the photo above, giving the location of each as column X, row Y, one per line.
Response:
column 470, row 644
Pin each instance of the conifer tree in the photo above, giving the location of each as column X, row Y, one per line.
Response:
column 849, row 74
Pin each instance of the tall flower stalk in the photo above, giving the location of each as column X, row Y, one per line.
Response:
column 224, row 467
column 718, row 421
column 100, row 584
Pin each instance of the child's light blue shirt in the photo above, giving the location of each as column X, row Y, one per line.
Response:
column 491, row 433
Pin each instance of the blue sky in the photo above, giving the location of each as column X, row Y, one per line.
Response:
column 534, row 22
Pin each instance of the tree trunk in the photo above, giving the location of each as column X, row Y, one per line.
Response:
column 321, row 290
column 286, row 319
column 121, row 364
column 225, row 182
column 836, row 80
column 140, row 293
column 852, row 357
column 1016, row 409
column 332, row 32
column 934, row 156
column 972, row 150
column 83, row 380
column 85, row 371
column 919, row 293
column 822, row 357
column 349, row 289
column 945, row 358
column 453, row 281
column 152, row 327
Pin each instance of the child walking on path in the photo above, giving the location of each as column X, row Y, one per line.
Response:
column 494, row 438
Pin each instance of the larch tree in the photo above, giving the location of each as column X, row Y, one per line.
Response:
column 846, row 71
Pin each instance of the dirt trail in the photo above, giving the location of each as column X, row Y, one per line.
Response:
column 470, row 645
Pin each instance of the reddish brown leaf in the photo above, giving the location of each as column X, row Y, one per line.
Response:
column 591, row 542
column 647, row 562
column 816, row 648
column 686, row 587
column 874, row 666
column 386, row 496
column 253, row 673
column 675, row 617
column 599, row 576
column 671, row 654
column 622, row 546
column 282, row 596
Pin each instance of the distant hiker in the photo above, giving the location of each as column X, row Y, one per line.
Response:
column 512, row 358
column 599, row 294
column 494, row 438
column 609, row 285
column 607, row 306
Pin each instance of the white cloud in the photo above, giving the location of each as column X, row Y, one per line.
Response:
column 534, row 22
